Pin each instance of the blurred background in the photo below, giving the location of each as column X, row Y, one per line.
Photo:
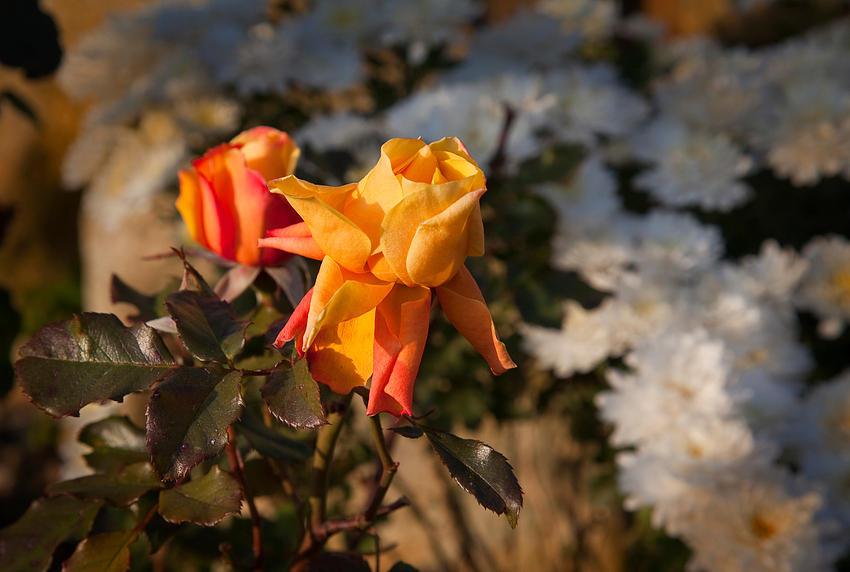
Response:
column 667, row 220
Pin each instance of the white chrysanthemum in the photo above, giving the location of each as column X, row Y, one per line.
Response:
column 677, row 378
column 713, row 90
column 210, row 116
column 601, row 255
column 356, row 135
column 775, row 273
column 475, row 113
column 759, row 335
column 423, row 24
column 588, row 199
column 106, row 62
column 813, row 151
column 823, row 422
column 673, row 471
column 527, row 42
column 87, row 153
column 691, row 167
column 825, row 288
column 590, row 101
column 671, row 242
column 141, row 163
column 755, row 525
column 583, row 341
column 593, row 19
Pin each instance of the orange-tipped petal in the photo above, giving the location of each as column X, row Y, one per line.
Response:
column 271, row 152
column 401, row 330
column 247, row 205
column 190, row 205
column 465, row 307
column 295, row 326
column 341, row 295
column 435, row 253
column 341, row 356
column 295, row 238
column 322, row 210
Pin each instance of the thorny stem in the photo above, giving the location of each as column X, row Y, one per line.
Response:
column 389, row 470
column 238, row 468
column 325, row 444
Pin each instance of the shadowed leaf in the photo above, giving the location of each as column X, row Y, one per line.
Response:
column 117, row 443
column 117, row 432
column 120, row 291
column 92, row 357
column 403, row 567
column 188, row 415
column 204, row 501
column 121, row 489
column 28, row 544
column 409, row 431
column 106, row 552
column 480, row 470
column 270, row 443
column 292, row 396
column 207, row 325
column 337, row 562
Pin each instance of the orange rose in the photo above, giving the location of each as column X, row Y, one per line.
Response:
column 385, row 242
column 225, row 199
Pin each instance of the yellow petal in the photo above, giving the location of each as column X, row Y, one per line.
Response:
column 341, row 356
column 401, row 222
column 377, row 192
column 321, row 208
column 441, row 243
column 341, row 295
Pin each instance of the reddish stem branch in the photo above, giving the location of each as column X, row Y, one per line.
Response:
column 238, row 468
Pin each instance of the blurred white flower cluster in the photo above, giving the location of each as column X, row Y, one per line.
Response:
column 712, row 405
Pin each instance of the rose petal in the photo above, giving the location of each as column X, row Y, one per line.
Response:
column 401, row 222
column 401, row 330
column 271, row 152
column 321, row 208
column 341, row 356
column 296, row 325
column 441, row 243
column 465, row 307
column 295, row 238
column 341, row 295
column 189, row 205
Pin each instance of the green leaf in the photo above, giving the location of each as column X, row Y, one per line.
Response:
column 403, row 567
column 188, row 415
column 409, row 431
column 116, row 441
column 270, row 443
column 192, row 279
column 117, row 432
column 106, row 552
column 207, row 325
column 109, row 460
column 28, row 544
column 480, row 470
column 204, row 501
column 92, row 357
column 120, row 489
column 292, row 396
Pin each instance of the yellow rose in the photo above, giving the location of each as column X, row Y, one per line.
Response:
column 384, row 242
